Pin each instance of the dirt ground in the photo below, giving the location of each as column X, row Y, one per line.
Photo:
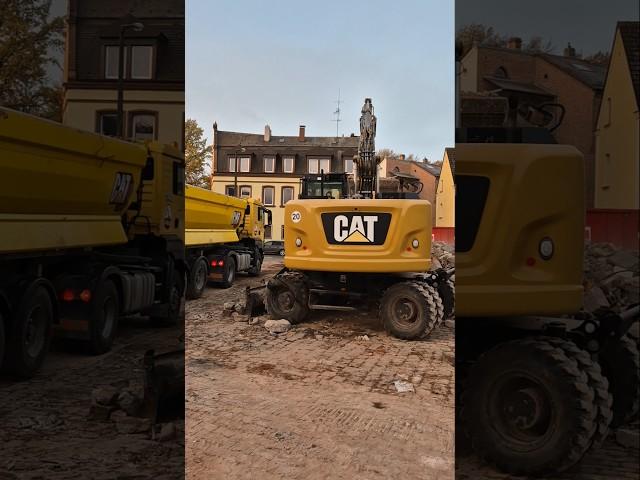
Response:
column 315, row 402
column 45, row 432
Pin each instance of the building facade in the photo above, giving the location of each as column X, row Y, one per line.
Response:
column 538, row 78
column 153, row 68
column 617, row 136
column 269, row 167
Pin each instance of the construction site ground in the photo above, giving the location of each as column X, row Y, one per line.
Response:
column 45, row 430
column 318, row 401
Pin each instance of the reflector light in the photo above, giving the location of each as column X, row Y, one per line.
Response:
column 298, row 242
column 531, row 261
column 85, row 295
column 221, row 263
column 546, row 248
column 68, row 295
column 415, row 243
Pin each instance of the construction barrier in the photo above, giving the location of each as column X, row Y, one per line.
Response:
column 619, row 227
column 443, row 234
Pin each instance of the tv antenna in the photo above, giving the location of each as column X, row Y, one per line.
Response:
column 337, row 114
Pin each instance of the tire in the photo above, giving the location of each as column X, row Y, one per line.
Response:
column 555, row 418
column 2, row 339
column 103, row 319
column 174, row 301
column 448, row 295
column 597, row 381
column 287, row 297
column 255, row 270
column 197, row 281
column 411, row 310
column 229, row 274
column 281, row 253
column 621, row 365
column 29, row 338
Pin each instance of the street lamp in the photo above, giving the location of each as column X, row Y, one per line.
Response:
column 136, row 27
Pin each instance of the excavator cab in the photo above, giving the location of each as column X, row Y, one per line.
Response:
column 324, row 186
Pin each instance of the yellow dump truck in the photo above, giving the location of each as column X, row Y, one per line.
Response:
column 91, row 228
column 224, row 235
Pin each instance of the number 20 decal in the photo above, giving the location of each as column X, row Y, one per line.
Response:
column 296, row 216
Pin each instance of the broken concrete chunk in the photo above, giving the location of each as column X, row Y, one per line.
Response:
column 104, row 395
column 100, row 413
column 129, row 402
column 277, row 326
column 624, row 259
column 126, row 424
column 594, row 299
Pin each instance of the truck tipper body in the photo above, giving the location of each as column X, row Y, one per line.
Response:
column 91, row 229
column 224, row 235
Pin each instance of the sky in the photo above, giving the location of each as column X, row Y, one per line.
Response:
column 588, row 24
column 283, row 63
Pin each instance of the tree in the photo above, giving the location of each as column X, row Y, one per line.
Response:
column 196, row 154
column 598, row 58
column 29, row 44
column 478, row 34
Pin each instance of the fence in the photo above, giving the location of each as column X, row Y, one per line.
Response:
column 443, row 234
column 619, row 227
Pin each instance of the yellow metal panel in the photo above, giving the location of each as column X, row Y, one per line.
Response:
column 25, row 233
column 410, row 220
column 208, row 237
column 536, row 191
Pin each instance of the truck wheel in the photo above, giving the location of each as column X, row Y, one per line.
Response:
column 287, row 297
column 174, row 302
column 103, row 322
column 30, row 334
column 197, row 281
column 255, row 270
column 621, row 365
column 229, row 274
column 410, row 310
column 529, row 408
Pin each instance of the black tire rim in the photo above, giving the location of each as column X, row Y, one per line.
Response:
column 521, row 410
column 285, row 300
column 35, row 330
column 405, row 312
column 109, row 313
column 200, row 276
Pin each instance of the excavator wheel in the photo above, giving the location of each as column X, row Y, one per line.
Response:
column 529, row 407
column 448, row 294
column 287, row 297
column 597, row 381
column 621, row 365
column 411, row 310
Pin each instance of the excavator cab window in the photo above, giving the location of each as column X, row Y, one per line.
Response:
column 324, row 185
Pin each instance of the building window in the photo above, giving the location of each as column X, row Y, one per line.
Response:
column 111, row 54
column 245, row 191
column 230, row 190
column 316, row 165
column 282, row 232
column 267, row 232
column 107, row 123
column 287, row 194
column 348, row 165
column 232, row 164
column 142, row 62
column 269, row 164
column 268, row 195
column 244, row 164
column 287, row 163
column 143, row 126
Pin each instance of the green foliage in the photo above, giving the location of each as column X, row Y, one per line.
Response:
column 197, row 155
column 29, row 41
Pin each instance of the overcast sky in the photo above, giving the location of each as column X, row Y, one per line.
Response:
column 282, row 62
column 588, row 24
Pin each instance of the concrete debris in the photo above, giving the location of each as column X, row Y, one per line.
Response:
column 277, row 326
column 362, row 338
column 104, row 395
column 126, row 424
column 237, row 317
column 254, row 321
column 130, row 402
column 628, row 438
column 442, row 255
column 403, row 387
column 100, row 413
column 611, row 277
column 230, row 306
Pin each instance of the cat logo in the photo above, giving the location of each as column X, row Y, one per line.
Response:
column 356, row 228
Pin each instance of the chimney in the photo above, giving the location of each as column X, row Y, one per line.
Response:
column 514, row 43
column 301, row 133
column 267, row 133
column 402, row 157
column 569, row 51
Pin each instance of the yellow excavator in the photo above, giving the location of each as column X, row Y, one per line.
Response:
column 343, row 250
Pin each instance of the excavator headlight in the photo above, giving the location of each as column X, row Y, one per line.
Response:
column 415, row 243
column 298, row 242
column 546, row 248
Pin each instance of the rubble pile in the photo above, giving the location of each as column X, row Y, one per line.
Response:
column 610, row 277
column 442, row 255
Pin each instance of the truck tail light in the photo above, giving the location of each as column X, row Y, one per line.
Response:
column 217, row 263
column 85, row 295
column 68, row 295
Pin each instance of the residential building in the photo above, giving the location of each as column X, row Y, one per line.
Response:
column 446, row 191
column 617, row 169
column 269, row 167
column 153, row 74
column 537, row 78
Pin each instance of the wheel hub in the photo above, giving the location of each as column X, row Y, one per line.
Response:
column 286, row 300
